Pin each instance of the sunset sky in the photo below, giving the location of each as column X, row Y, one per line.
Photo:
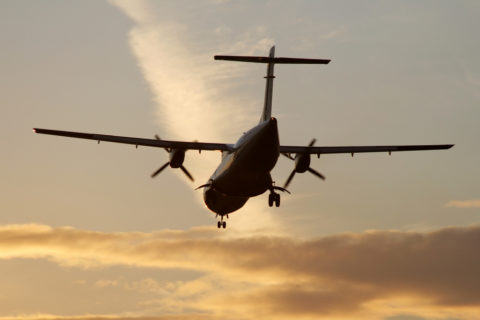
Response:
column 85, row 233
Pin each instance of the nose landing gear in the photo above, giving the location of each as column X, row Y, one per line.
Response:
column 221, row 223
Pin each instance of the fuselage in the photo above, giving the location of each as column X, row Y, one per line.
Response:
column 245, row 171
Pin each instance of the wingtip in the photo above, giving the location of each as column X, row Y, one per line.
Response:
column 34, row 130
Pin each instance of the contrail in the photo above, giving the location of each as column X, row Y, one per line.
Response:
column 191, row 92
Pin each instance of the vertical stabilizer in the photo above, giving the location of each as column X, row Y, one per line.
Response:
column 271, row 61
column 267, row 107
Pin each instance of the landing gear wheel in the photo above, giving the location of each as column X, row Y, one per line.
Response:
column 224, row 224
column 219, row 224
column 270, row 199
column 274, row 198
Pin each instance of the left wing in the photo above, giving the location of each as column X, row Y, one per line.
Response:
column 158, row 143
column 361, row 149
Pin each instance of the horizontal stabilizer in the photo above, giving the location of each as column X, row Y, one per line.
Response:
column 255, row 59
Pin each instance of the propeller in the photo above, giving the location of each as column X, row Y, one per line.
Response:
column 302, row 164
column 177, row 156
column 153, row 175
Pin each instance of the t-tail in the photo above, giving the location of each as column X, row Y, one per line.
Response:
column 271, row 60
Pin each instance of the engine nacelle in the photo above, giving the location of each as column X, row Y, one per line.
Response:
column 177, row 156
column 302, row 162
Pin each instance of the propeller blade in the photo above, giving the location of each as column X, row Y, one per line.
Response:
column 312, row 142
column 318, row 174
column 290, row 177
column 187, row 173
column 204, row 185
column 153, row 175
column 281, row 189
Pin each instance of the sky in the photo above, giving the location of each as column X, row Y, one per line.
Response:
column 85, row 233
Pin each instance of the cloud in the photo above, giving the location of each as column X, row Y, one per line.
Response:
column 191, row 316
column 189, row 88
column 475, row 203
column 195, row 97
column 345, row 275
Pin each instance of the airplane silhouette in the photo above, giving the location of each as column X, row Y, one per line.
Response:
column 244, row 171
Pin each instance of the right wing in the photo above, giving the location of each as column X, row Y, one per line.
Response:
column 158, row 143
column 361, row 149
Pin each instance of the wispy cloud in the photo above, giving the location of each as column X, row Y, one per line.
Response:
column 475, row 203
column 341, row 276
column 193, row 94
column 190, row 91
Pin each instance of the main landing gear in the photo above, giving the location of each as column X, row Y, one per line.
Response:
column 221, row 223
column 273, row 197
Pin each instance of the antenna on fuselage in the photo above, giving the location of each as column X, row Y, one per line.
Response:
column 271, row 60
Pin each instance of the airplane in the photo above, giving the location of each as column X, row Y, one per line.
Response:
column 245, row 166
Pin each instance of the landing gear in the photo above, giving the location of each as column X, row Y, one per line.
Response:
column 221, row 223
column 274, row 198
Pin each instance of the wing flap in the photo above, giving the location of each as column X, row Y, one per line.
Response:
column 138, row 141
column 361, row 149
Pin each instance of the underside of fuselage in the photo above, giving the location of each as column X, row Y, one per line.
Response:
column 244, row 172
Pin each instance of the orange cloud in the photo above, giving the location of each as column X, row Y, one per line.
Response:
column 337, row 276
column 475, row 203
column 191, row 316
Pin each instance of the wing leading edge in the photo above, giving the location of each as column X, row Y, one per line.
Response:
column 361, row 149
column 158, row 143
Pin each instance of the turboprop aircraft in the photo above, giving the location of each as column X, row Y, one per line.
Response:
column 244, row 170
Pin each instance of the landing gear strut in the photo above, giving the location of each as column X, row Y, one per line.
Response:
column 221, row 223
column 274, row 197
